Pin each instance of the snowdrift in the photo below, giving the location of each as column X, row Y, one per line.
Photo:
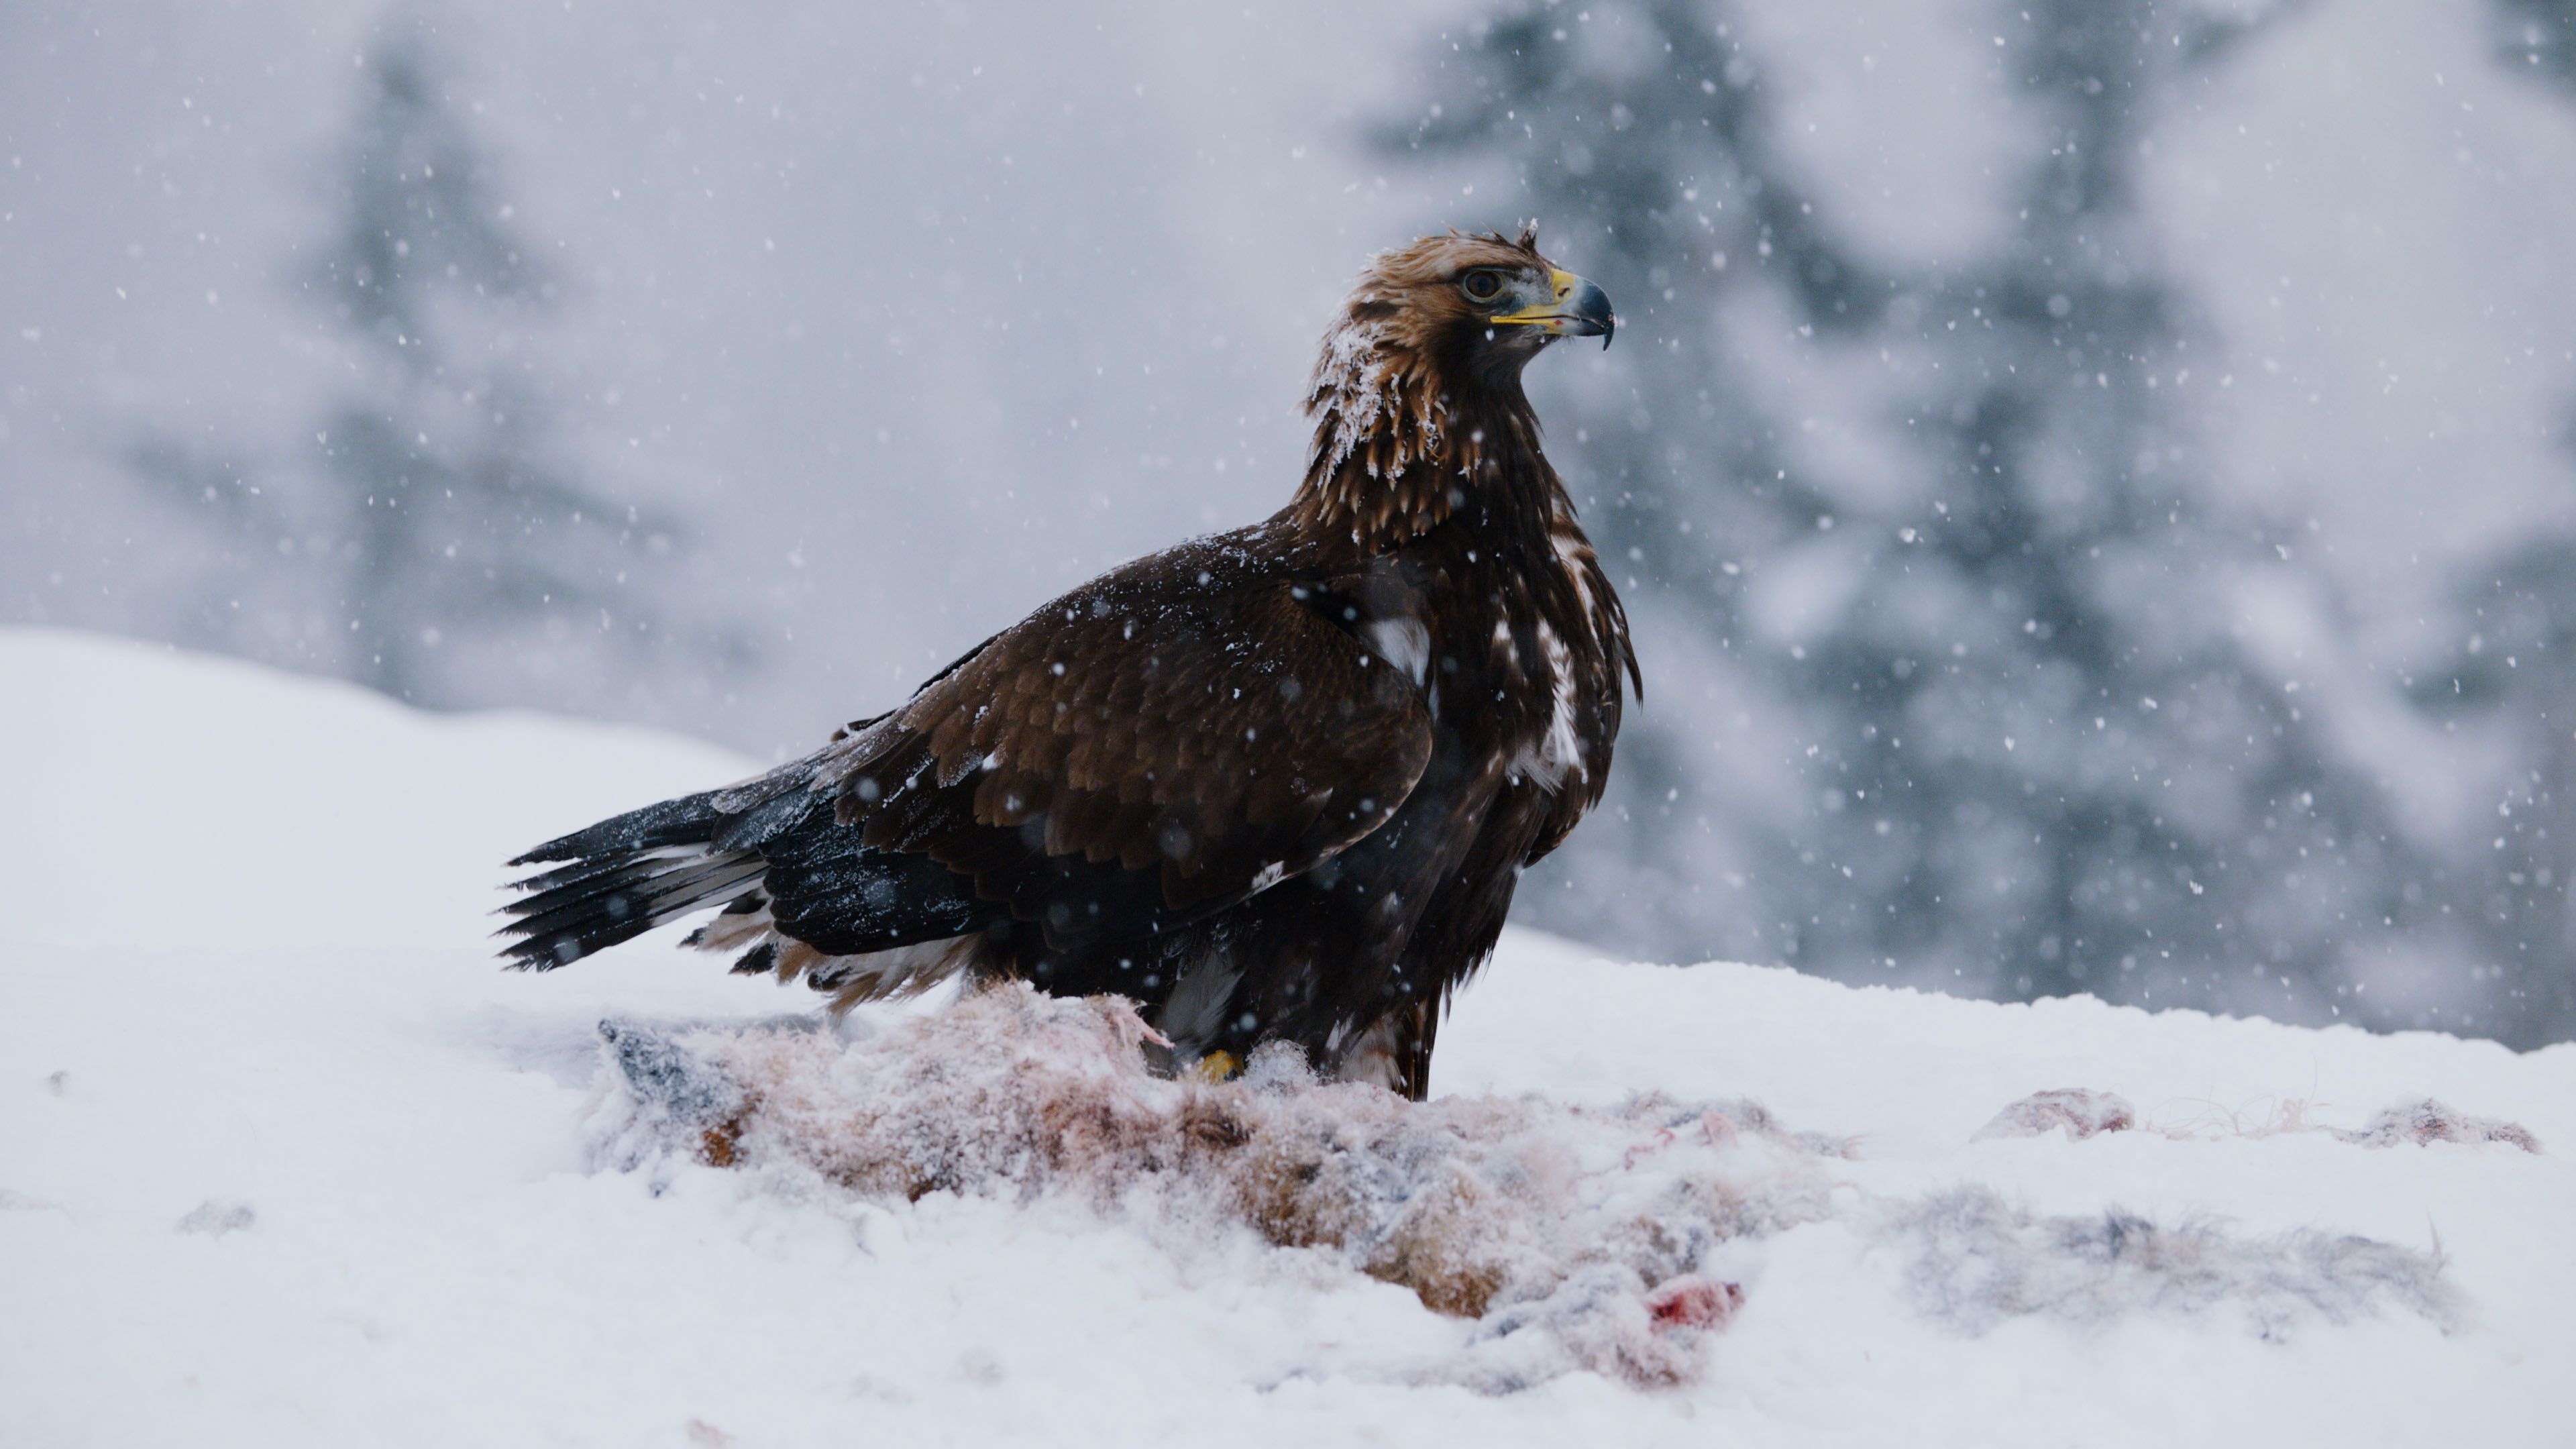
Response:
column 284, row 1160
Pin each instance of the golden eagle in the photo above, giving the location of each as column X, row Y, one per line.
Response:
column 1276, row 784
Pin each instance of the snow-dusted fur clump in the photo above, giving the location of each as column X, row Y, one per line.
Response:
column 2427, row 1121
column 1981, row 1260
column 2077, row 1112
column 1572, row 1238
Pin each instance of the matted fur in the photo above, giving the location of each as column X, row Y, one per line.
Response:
column 1576, row 1238
column 2081, row 1112
column 2426, row 1121
column 2077, row 1112
column 1980, row 1260
column 1572, row 1238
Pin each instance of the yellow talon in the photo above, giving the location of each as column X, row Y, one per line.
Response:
column 1215, row 1067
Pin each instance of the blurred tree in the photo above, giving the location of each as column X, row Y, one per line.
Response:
column 2070, row 750
column 2539, row 37
column 2515, row 670
column 238, row 522
column 2040, row 749
column 431, row 500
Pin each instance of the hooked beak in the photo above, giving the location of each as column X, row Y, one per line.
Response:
column 1579, row 309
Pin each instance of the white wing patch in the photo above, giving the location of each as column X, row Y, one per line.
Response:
column 1558, row 753
column 1404, row 643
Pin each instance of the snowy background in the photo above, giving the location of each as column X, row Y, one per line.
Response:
column 2093, row 475
column 276, row 1172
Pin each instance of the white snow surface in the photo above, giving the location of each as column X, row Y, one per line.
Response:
column 284, row 1159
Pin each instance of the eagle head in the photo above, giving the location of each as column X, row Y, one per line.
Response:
column 1432, row 334
column 1475, row 307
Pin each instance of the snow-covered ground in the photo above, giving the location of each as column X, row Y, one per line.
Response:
column 285, row 1160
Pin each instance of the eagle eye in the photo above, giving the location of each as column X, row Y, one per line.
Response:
column 1482, row 284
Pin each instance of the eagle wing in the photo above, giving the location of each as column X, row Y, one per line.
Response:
column 1161, row 743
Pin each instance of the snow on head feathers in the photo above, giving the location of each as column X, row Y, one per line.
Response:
column 1272, row 785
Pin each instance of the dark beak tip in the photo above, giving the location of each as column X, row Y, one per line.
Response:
column 1592, row 306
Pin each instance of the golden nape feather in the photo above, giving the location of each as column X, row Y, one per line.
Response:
column 1273, row 785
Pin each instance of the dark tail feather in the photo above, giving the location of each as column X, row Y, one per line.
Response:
column 624, row 876
column 689, row 820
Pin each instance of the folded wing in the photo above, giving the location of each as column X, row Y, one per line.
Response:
column 1160, row 744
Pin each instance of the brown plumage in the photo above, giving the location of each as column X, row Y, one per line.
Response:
column 1274, row 784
